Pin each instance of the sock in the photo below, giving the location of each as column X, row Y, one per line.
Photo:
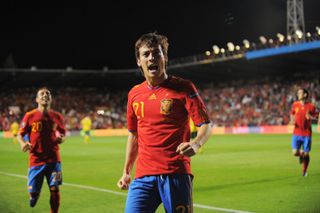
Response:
column 86, row 138
column 14, row 140
column 54, row 201
column 305, row 163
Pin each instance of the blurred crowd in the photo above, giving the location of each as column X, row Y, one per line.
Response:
column 236, row 103
column 255, row 104
column 107, row 109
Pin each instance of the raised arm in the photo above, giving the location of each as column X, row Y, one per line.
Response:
column 131, row 156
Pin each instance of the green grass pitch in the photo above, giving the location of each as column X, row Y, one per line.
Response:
column 253, row 173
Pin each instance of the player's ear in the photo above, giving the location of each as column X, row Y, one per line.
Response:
column 37, row 95
column 139, row 63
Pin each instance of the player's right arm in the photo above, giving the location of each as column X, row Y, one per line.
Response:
column 24, row 129
column 131, row 156
column 25, row 145
column 292, row 116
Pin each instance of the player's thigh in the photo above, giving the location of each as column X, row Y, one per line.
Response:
column 307, row 144
column 296, row 142
column 143, row 195
column 176, row 192
column 35, row 178
column 54, row 175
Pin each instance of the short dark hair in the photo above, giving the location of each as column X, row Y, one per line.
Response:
column 305, row 91
column 153, row 39
column 41, row 88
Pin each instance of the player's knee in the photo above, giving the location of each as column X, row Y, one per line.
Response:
column 54, row 189
column 34, row 195
column 295, row 152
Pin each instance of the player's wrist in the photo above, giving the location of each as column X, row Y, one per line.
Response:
column 195, row 147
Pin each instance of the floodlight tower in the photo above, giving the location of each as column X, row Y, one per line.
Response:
column 295, row 20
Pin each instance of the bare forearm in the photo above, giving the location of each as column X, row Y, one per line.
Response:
column 292, row 120
column 203, row 135
column 131, row 153
column 20, row 140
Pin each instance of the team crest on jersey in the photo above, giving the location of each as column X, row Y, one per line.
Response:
column 166, row 106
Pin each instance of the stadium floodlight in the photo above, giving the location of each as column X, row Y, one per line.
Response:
column 299, row 34
column 318, row 30
column 237, row 47
column 230, row 46
column 246, row 43
column 100, row 112
column 208, row 53
column 270, row 41
column 263, row 40
column 33, row 68
column 222, row 50
column 215, row 49
column 289, row 38
column 308, row 34
column 280, row 37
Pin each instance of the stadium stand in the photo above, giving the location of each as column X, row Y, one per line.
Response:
column 241, row 102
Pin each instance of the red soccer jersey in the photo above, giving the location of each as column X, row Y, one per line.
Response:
column 160, row 117
column 41, row 128
column 302, row 125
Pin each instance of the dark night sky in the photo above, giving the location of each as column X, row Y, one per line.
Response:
column 93, row 36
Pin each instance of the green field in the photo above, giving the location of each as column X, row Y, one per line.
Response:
column 253, row 173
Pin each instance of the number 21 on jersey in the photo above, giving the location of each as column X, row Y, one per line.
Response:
column 138, row 109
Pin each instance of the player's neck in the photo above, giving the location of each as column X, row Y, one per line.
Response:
column 43, row 109
column 303, row 101
column 157, row 81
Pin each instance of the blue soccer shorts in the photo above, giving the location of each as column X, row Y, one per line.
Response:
column 52, row 172
column 173, row 190
column 304, row 141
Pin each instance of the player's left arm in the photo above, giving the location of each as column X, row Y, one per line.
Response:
column 191, row 148
column 312, row 114
column 61, row 130
column 197, row 110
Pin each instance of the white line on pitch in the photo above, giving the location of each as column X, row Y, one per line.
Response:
column 124, row 194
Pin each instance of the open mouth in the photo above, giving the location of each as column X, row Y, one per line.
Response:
column 153, row 68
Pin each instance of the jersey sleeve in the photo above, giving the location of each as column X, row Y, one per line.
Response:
column 24, row 126
column 293, row 112
column 195, row 105
column 60, row 125
column 313, row 111
column 131, row 116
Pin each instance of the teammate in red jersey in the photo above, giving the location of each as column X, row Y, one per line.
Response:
column 45, row 130
column 302, row 114
column 158, row 114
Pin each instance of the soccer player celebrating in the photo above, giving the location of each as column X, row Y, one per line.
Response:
column 158, row 114
column 302, row 114
column 45, row 130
